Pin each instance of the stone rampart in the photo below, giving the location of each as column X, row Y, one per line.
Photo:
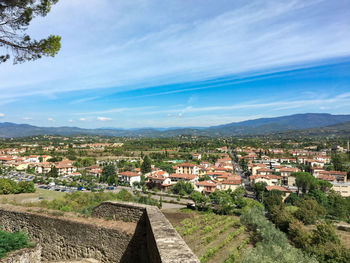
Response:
column 131, row 233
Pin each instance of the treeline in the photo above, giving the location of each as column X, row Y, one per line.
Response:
column 315, row 205
column 7, row 186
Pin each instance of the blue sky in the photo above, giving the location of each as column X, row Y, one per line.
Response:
column 156, row 63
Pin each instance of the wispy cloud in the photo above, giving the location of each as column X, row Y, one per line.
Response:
column 146, row 47
column 2, row 115
column 104, row 119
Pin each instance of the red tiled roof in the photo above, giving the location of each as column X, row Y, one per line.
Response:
column 183, row 176
column 206, row 183
column 276, row 187
column 129, row 174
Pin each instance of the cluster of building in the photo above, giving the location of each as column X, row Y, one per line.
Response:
column 39, row 163
column 219, row 176
column 264, row 166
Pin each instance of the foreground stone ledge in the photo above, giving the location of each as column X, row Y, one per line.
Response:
column 164, row 244
column 25, row 255
column 133, row 233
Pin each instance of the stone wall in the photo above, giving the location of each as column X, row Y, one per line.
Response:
column 67, row 239
column 147, row 237
column 163, row 243
column 25, row 255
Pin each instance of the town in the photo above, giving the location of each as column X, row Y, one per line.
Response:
column 79, row 165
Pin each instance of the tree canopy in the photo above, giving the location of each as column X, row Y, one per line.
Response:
column 15, row 17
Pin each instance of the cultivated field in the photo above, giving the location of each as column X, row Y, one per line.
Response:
column 213, row 238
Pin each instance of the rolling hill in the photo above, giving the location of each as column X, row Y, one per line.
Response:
column 308, row 123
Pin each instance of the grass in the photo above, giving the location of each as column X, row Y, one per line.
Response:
column 213, row 238
column 32, row 197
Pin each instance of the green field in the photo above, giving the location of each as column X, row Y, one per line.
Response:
column 32, row 197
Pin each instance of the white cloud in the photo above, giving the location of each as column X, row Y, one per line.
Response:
column 146, row 46
column 27, row 118
column 2, row 115
column 82, row 119
column 50, row 119
column 104, row 119
column 70, row 120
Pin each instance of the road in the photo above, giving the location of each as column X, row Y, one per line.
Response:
column 240, row 172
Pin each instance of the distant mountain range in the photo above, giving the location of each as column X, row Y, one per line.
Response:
column 308, row 124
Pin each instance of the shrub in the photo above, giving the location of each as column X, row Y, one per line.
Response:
column 12, row 241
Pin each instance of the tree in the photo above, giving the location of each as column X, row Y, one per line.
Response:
column 324, row 186
column 146, row 165
column 15, row 17
column 182, row 188
column 305, row 181
column 108, row 174
column 222, row 201
column 259, row 189
column 53, row 172
column 200, row 200
column 308, row 211
column 26, row 187
column 274, row 198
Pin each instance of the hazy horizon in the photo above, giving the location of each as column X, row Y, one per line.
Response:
column 134, row 64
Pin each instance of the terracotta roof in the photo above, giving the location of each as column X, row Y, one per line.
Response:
column 264, row 170
column 276, row 187
column 207, row 183
column 289, row 169
column 268, row 176
column 183, row 176
column 233, row 180
column 326, row 177
column 129, row 174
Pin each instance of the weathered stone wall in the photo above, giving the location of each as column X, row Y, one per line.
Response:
column 65, row 239
column 26, row 255
column 119, row 211
column 151, row 239
column 164, row 244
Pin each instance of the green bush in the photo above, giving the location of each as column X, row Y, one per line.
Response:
column 7, row 186
column 272, row 244
column 12, row 241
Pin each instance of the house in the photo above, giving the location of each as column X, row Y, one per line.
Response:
column 340, row 176
column 326, row 177
column 286, row 172
column 314, row 163
column 197, row 156
column 231, row 182
column 65, row 169
column 315, row 171
column 129, row 177
column 43, row 168
column 269, row 179
column 182, row 177
column 187, row 168
column 206, row 187
column 264, row 171
column 158, row 179
column 95, row 172
column 282, row 189
column 342, row 188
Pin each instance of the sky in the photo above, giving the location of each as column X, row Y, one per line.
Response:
column 182, row 63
